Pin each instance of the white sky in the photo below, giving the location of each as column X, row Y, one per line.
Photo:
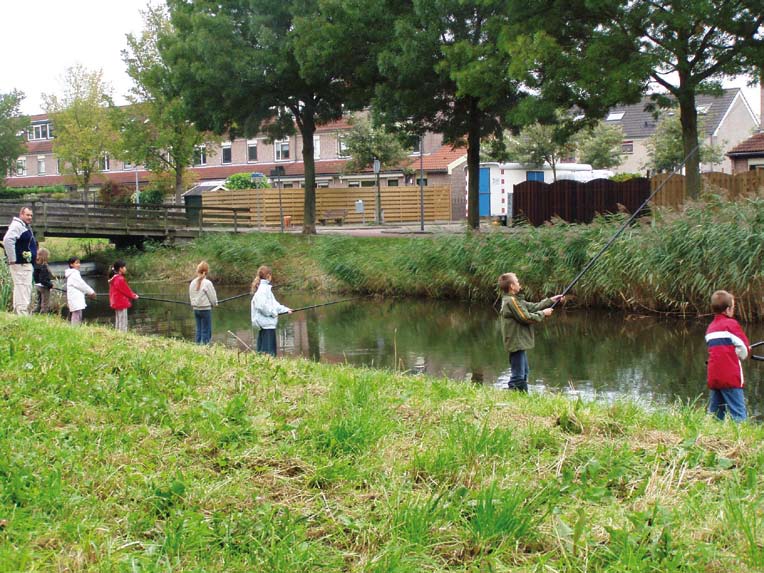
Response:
column 40, row 39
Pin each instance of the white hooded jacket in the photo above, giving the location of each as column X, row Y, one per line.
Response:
column 76, row 289
column 264, row 308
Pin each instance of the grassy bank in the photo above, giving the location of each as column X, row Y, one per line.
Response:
column 670, row 263
column 123, row 453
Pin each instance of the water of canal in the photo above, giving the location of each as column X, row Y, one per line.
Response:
column 592, row 354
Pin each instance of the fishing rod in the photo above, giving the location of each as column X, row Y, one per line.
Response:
column 322, row 304
column 758, row 357
column 628, row 222
column 142, row 297
column 248, row 293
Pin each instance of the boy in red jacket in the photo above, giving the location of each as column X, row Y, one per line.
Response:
column 727, row 346
column 120, row 295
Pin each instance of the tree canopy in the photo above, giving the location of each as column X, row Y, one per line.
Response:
column 665, row 148
column 600, row 146
column 13, row 126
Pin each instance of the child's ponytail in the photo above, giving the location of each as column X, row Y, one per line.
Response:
column 262, row 273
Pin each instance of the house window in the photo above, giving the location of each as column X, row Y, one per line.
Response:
column 316, row 147
column 392, row 183
column 200, row 155
column 342, row 147
column 252, row 150
column 354, row 183
column 41, row 165
column 104, row 162
column 127, row 165
column 627, row 147
column 226, row 154
column 288, row 185
column 322, row 184
column 21, row 166
column 534, row 176
column 615, row 116
column 281, row 147
column 424, row 181
column 41, row 131
column 368, row 183
column 58, row 166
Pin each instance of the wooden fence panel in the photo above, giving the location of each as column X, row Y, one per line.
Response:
column 400, row 204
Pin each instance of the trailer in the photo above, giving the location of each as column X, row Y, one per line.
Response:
column 497, row 181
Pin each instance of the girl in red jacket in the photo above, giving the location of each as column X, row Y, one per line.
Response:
column 120, row 295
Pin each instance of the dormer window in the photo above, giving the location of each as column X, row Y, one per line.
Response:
column 40, row 131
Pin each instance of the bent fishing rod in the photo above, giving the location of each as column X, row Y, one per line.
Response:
column 322, row 304
column 623, row 227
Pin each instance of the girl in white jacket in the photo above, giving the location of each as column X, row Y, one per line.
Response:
column 76, row 290
column 265, row 310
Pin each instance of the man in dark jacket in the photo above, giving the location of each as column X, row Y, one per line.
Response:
column 517, row 319
column 21, row 252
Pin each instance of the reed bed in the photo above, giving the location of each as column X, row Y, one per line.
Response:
column 128, row 453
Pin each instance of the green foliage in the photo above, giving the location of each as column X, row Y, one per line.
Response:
column 540, row 144
column 245, row 181
column 618, row 177
column 12, row 128
column 6, row 288
column 115, row 193
column 665, row 147
column 365, row 143
column 600, row 146
column 152, row 197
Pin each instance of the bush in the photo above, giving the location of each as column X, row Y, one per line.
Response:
column 244, row 181
column 619, row 177
column 113, row 193
column 19, row 192
column 152, row 197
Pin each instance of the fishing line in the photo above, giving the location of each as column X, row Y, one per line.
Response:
column 628, row 222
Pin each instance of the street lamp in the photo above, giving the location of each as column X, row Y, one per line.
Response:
column 421, row 182
column 278, row 172
column 377, row 167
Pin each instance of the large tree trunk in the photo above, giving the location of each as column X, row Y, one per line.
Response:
column 307, row 130
column 473, row 167
column 690, row 144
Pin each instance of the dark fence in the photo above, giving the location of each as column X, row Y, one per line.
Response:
column 577, row 202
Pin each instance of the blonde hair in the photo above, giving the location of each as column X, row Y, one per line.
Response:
column 262, row 273
column 42, row 256
column 506, row 280
column 201, row 273
column 721, row 300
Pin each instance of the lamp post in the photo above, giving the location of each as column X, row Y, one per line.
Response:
column 421, row 182
column 278, row 172
column 377, row 167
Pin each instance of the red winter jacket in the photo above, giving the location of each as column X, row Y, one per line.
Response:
column 120, row 295
column 727, row 346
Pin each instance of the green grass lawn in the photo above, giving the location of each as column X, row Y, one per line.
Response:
column 128, row 453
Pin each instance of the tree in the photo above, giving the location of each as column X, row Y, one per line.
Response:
column 444, row 72
column 156, row 130
column 246, row 181
column 13, row 125
column 684, row 46
column 83, row 119
column 665, row 147
column 538, row 144
column 274, row 66
column 600, row 146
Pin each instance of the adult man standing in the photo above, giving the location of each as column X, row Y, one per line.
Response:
column 21, row 251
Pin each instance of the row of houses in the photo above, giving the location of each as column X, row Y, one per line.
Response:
column 729, row 121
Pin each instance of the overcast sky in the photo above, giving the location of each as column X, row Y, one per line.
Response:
column 40, row 39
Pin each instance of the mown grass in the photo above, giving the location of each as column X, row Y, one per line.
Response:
column 128, row 453
column 671, row 262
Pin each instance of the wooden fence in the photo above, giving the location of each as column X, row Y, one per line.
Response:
column 743, row 184
column 577, row 202
column 400, row 204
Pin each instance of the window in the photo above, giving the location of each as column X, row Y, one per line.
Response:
column 615, row 116
column 424, row 181
column 534, row 176
column 316, row 147
column 322, row 184
column 354, row 183
column 104, row 163
column 58, row 166
column 21, row 166
column 368, row 183
column 41, row 131
column 252, row 150
column 226, row 154
column 41, row 165
column 703, row 109
column 127, row 165
column 627, row 147
column 281, row 147
column 342, row 147
column 392, row 183
column 200, row 155
column 288, row 185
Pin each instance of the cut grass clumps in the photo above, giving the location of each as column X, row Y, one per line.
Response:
column 128, row 453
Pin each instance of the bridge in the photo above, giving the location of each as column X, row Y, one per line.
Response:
column 126, row 225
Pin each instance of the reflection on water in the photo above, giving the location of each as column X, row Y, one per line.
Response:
column 607, row 355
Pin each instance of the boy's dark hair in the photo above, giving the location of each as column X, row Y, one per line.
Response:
column 505, row 280
column 118, row 264
column 73, row 260
column 721, row 300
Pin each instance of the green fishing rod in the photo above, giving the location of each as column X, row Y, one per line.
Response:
column 623, row 227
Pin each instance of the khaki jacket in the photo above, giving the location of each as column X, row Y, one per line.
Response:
column 517, row 319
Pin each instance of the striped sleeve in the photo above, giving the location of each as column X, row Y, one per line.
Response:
column 517, row 310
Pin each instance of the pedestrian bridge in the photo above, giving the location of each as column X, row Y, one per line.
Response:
column 126, row 224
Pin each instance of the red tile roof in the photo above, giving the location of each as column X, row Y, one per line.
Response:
column 440, row 159
column 752, row 146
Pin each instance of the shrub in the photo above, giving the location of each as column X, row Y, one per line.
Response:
column 115, row 193
column 152, row 197
column 245, row 181
column 618, row 177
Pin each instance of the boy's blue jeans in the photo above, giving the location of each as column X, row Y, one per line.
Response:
column 729, row 400
column 203, row 326
column 518, row 371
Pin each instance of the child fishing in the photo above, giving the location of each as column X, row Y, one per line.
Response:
column 265, row 310
column 121, row 296
column 727, row 347
column 43, row 281
column 76, row 291
column 517, row 319
column 203, row 297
